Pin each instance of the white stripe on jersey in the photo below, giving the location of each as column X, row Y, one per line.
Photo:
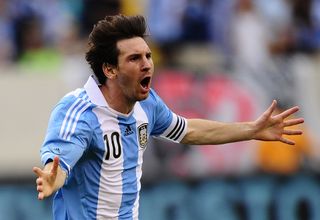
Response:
column 141, row 118
column 110, row 189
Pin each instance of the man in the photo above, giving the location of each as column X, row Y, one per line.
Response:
column 97, row 134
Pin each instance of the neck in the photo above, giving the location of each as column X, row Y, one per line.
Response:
column 116, row 99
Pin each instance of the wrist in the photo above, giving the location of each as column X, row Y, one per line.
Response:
column 251, row 130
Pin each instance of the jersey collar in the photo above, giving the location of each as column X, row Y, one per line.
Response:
column 96, row 96
column 93, row 91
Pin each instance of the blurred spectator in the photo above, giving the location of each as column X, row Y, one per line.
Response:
column 261, row 47
column 29, row 26
column 297, row 28
column 28, row 34
column 165, row 22
column 251, row 37
column 305, row 58
column 250, row 40
column 32, row 54
column 306, row 26
column 54, row 22
column 221, row 16
column 195, row 22
column 277, row 17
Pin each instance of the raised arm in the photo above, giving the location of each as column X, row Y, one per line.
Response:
column 50, row 179
column 267, row 127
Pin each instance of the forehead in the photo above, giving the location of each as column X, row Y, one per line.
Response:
column 132, row 46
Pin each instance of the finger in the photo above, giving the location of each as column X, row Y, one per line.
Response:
column 37, row 171
column 40, row 195
column 292, row 132
column 289, row 112
column 55, row 165
column 271, row 108
column 39, row 189
column 287, row 141
column 293, row 122
column 39, row 181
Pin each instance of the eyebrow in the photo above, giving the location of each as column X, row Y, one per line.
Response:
column 139, row 54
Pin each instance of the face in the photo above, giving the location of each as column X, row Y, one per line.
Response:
column 135, row 69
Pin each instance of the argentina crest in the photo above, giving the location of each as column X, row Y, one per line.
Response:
column 143, row 135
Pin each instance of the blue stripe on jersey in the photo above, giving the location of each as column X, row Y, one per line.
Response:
column 130, row 160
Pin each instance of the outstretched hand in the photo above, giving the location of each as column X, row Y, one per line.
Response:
column 270, row 127
column 47, row 178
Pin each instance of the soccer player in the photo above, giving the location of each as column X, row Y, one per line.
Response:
column 92, row 153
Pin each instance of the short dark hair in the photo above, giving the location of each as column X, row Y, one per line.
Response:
column 104, row 37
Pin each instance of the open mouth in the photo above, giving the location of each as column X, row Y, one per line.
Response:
column 145, row 82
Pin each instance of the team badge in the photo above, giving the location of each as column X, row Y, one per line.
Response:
column 143, row 135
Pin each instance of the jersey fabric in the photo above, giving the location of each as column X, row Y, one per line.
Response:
column 101, row 151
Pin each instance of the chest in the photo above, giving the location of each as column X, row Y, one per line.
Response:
column 123, row 138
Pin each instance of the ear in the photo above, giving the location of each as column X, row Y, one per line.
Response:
column 108, row 71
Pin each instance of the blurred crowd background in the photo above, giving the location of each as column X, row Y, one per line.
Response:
column 222, row 60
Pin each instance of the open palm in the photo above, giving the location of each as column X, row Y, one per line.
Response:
column 270, row 127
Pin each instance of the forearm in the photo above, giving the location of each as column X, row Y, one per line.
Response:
column 211, row 132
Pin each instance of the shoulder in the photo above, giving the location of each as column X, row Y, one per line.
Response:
column 155, row 105
column 74, row 103
column 153, row 98
column 73, row 113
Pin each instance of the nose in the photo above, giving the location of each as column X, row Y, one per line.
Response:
column 147, row 64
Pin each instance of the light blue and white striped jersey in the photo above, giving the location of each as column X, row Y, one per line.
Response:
column 101, row 150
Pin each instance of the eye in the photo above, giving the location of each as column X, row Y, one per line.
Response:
column 148, row 55
column 134, row 58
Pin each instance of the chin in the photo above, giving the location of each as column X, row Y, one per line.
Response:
column 143, row 97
